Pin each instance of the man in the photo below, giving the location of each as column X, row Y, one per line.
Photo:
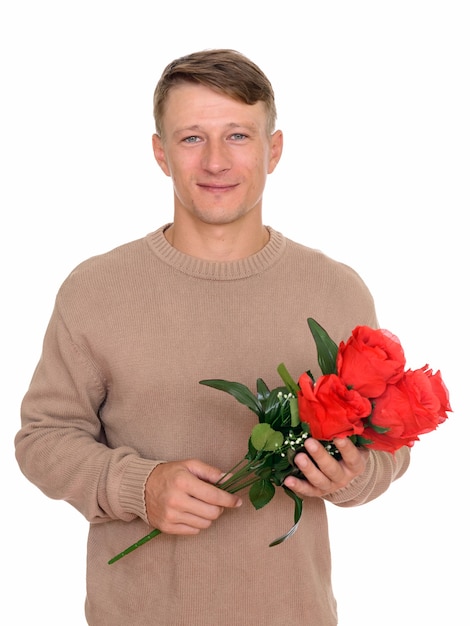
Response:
column 115, row 420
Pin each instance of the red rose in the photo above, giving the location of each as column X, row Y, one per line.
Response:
column 440, row 391
column 369, row 360
column 417, row 404
column 425, row 392
column 392, row 410
column 385, row 442
column 330, row 408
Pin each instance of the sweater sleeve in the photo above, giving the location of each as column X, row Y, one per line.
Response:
column 381, row 470
column 61, row 447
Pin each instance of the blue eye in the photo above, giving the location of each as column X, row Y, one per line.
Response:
column 191, row 139
column 238, row 136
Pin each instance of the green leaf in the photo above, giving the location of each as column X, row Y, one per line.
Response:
column 276, row 409
column 297, row 515
column 263, row 437
column 262, row 389
column 275, row 441
column 287, row 379
column 261, row 492
column 359, row 440
column 379, row 429
column 259, row 435
column 298, row 503
column 239, row 391
column 326, row 348
column 252, row 451
column 264, row 472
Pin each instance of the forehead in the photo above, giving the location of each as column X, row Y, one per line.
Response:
column 191, row 105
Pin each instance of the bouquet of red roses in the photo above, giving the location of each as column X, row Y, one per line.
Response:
column 364, row 393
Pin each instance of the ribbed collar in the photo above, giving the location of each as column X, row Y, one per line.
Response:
column 215, row 270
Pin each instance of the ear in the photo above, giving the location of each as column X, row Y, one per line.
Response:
column 159, row 153
column 277, row 141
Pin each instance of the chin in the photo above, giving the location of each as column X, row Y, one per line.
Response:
column 220, row 217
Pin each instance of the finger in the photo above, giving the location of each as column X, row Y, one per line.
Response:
column 316, row 481
column 188, row 513
column 205, row 472
column 215, row 496
column 322, row 472
column 353, row 457
column 327, row 465
column 205, row 489
column 200, row 516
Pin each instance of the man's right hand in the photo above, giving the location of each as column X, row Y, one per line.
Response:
column 182, row 499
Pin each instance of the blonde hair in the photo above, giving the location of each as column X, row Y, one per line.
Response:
column 226, row 71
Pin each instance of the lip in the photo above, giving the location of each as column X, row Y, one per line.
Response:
column 216, row 188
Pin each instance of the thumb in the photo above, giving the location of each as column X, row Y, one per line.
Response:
column 211, row 475
column 204, row 471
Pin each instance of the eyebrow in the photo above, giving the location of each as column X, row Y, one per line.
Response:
column 230, row 125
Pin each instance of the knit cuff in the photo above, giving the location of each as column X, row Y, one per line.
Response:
column 352, row 493
column 132, row 489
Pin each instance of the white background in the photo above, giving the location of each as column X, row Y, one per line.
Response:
column 373, row 98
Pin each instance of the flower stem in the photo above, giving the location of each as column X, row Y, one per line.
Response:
column 238, row 487
column 230, row 474
column 294, row 411
column 135, row 545
column 235, row 481
column 231, row 482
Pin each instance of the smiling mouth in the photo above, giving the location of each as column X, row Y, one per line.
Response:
column 216, row 188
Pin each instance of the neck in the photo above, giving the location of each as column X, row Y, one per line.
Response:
column 218, row 242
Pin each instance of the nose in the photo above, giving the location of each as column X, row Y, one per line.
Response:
column 216, row 157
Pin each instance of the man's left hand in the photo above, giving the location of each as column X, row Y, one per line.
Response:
column 328, row 475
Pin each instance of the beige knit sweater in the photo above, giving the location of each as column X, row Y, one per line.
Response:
column 117, row 390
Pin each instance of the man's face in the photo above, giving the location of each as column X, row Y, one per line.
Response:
column 218, row 153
